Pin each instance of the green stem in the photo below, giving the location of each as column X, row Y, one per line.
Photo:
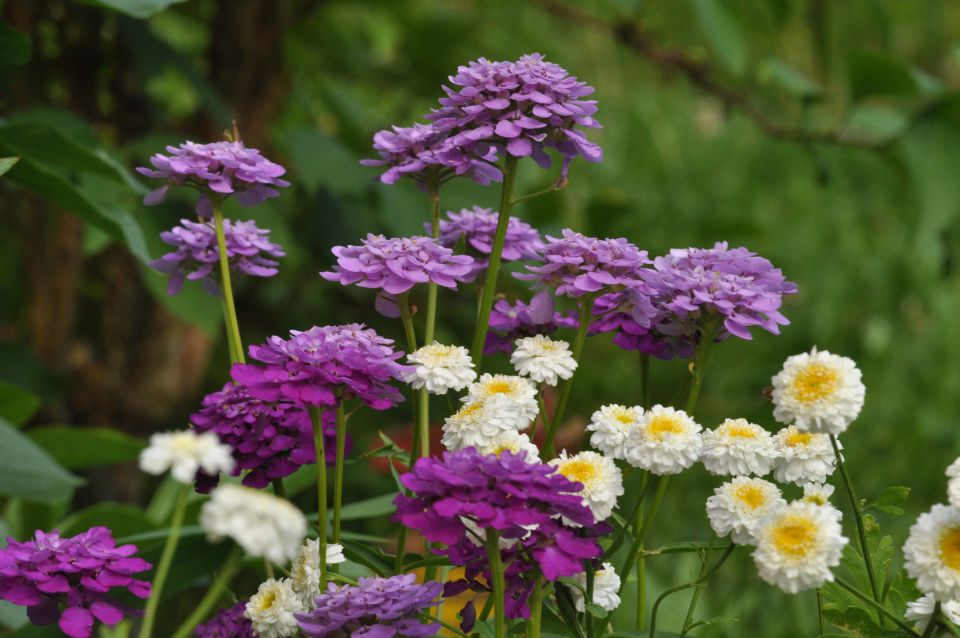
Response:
column 949, row 626
column 166, row 559
column 230, row 311
column 499, row 589
column 423, row 404
column 279, row 489
column 536, row 611
column 338, row 470
column 934, row 621
column 692, row 608
column 678, row 588
column 406, row 318
column 316, row 419
column 638, row 539
column 202, row 610
column 699, row 365
column 641, row 564
column 231, row 346
column 586, row 307
column 645, row 381
column 820, row 611
column 588, row 618
column 544, row 417
column 493, row 270
column 880, row 608
column 432, row 287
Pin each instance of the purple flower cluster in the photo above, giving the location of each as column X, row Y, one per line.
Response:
column 271, row 440
column 229, row 623
column 376, row 608
column 69, row 579
column 630, row 315
column 323, row 366
column 249, row 250
column 477, row 227
column 509, row 322
column 220, row 169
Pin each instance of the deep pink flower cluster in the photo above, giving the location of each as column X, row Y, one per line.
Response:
column 477, row 227
column 509, row 322
column 323, row 366
column 229, row 623
column 69, row 579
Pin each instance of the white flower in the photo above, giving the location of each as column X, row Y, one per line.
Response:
column 441, row 368
column 271, row 610
column 666, row 442
column 737, row 507
column 803, row 457
column 797, row 545
column 511, row 441
column 738, row 448
column 262, row 524
column 953, row 485
column 305, row 570
column 606, row 589
column 184, row 453
column 932, row 552
column 921, row 611
column 479, row 423
column 610, row 426
column 819, row 494
column 600, row 476
column 521, row 394
column 543, row 359
column 818, row 392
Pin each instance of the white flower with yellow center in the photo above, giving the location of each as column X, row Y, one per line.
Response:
column 543, row 359
column 514, row 442
column 305, row 570
column 262, row 524
column 610, row 426
column 601, row 479
column 184, row 453
column 271, row 610
column 797, row 545
column 738, row 448
column 818, row 392
column 819, row 494
column 441, row 368
column 932, row 552
column 606, row 589
column 803, row 457
column 479, row 423
column 953, row 485
column 519, row 392
column 921, row 611
column 667, row 441
column 737, row 506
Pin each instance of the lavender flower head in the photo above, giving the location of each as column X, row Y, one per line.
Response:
column 249, row 250
column 229, row 623
column 323, row 366
column 630, row 315
column 69, row 579
column 477, row 226
column 376, row 608
column 509, row 322
column 219, row 169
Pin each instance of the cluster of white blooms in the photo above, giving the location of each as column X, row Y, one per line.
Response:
column 737, row 507
column 738, row 448
column 441, row 368
column 611, row 425
column 601, row 479
column 495, row 406
column 513, row 442
column 606, row 589
column 184, row 453
column 271, row 610
column 818, row 392
column 305, row 569
column 543, row 359
column 665, row 441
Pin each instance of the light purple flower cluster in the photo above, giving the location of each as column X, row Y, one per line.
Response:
column 477, row 227
column 69, row 579
column 220, row 169
column 509, row 322
column 270, row 440
column 229, row 623
column 249, row 250
column 323, row 366
column 630, row 315
column 376, row 608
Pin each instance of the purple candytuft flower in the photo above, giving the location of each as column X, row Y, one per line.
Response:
column 631, row 315
column 218, row 169
column 249, row 250
column 229, row 623
column 323, row 366
column 376, row 608
column 68, row 580
column 271, row 440
column 477, row 227
column 509, row 322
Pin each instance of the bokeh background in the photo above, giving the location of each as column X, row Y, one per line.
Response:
column 823, row 135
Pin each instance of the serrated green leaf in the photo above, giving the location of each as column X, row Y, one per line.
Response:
column 28, row 472
column 889, row 500
column 78, row 447
column 16, row 404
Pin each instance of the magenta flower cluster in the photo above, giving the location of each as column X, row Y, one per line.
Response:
column 249, row 251
column 228, row 623
column 509, row 322
column 69, row 580
column 477, row 226
column 375, row 608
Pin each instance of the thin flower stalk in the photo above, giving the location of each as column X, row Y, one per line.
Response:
column 213, row 595
column 166, row 560
column 585, row 309
column 230, row 311
column 316, row 420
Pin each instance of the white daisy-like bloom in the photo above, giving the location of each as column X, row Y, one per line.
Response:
column 262, row 524
column 601, row 479
column 184, row 453
column 797, row 545
column 818, row 392
column 543, row 359
column 953, row 485
column 606, row 589
column 667, row 441
column 271, row 610
column 737, row 507
column 511, row 441
column 441, row 368
column 610, row 426
column 803, row 457
column 738, row 448
column 305, row 570
column 479, row 423
column 932, row 552
column 520, row 392
column 921, row 611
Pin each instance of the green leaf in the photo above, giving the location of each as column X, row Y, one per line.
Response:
column 370, row 557
column 369, row 508
column 134, row 8
column 16, row 404
column 723, row 31
column 192, row 304
column 872, row 73
column 889, row 501
column 6, row 163
column 123, row 520
column 778, row 73
column 859, row 621
column 320, row 160
column 78, row 447
column 12, row 616
column 27, row 471
column 15, row 49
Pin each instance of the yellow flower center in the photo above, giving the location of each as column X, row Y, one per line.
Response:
column 794, row 536
column 579, row 470
column 814, row 382
column 751, row 495
column 950, row 548
column 740, row 431
column 499, row 387
column 469, row 409
column 663, row 424
column 266, row 601
column 623, row 416
column 816, row 499
column 798, row 438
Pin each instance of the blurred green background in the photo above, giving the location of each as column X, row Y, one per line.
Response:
column 823, row 135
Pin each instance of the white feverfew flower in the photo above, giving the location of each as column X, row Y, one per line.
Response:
column 543, row 359
column 184, row 453
column 271, row 610
column 601, row 479
column 519, row 392
column 511, row 441
column 606, row 589
column 305, row 570
column 737, row 507
column 797, row 546
column 262, row 524
column 738, row 448
column 932, row 552
column 819, row 494
column 803, row 457
column 818, row 392
column 667, row 441
column 479, row 423
column 441, row 368
column 611, row 425
column 921, row 611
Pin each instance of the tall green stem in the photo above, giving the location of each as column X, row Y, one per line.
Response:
column 699, row 365
column 166, row 559
column 641, row 562
column 316, row 419
column 338, row 470
column 432, row 287
column 934, row 621
column 883, row 611
column 423, row 399
column 691, row 609
column 493, row 270
column 230, row 311
column 536, row 611
column 203, row 609
column 678, row 588
column 586, row 308
column 406, row 318
column 498, row 586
